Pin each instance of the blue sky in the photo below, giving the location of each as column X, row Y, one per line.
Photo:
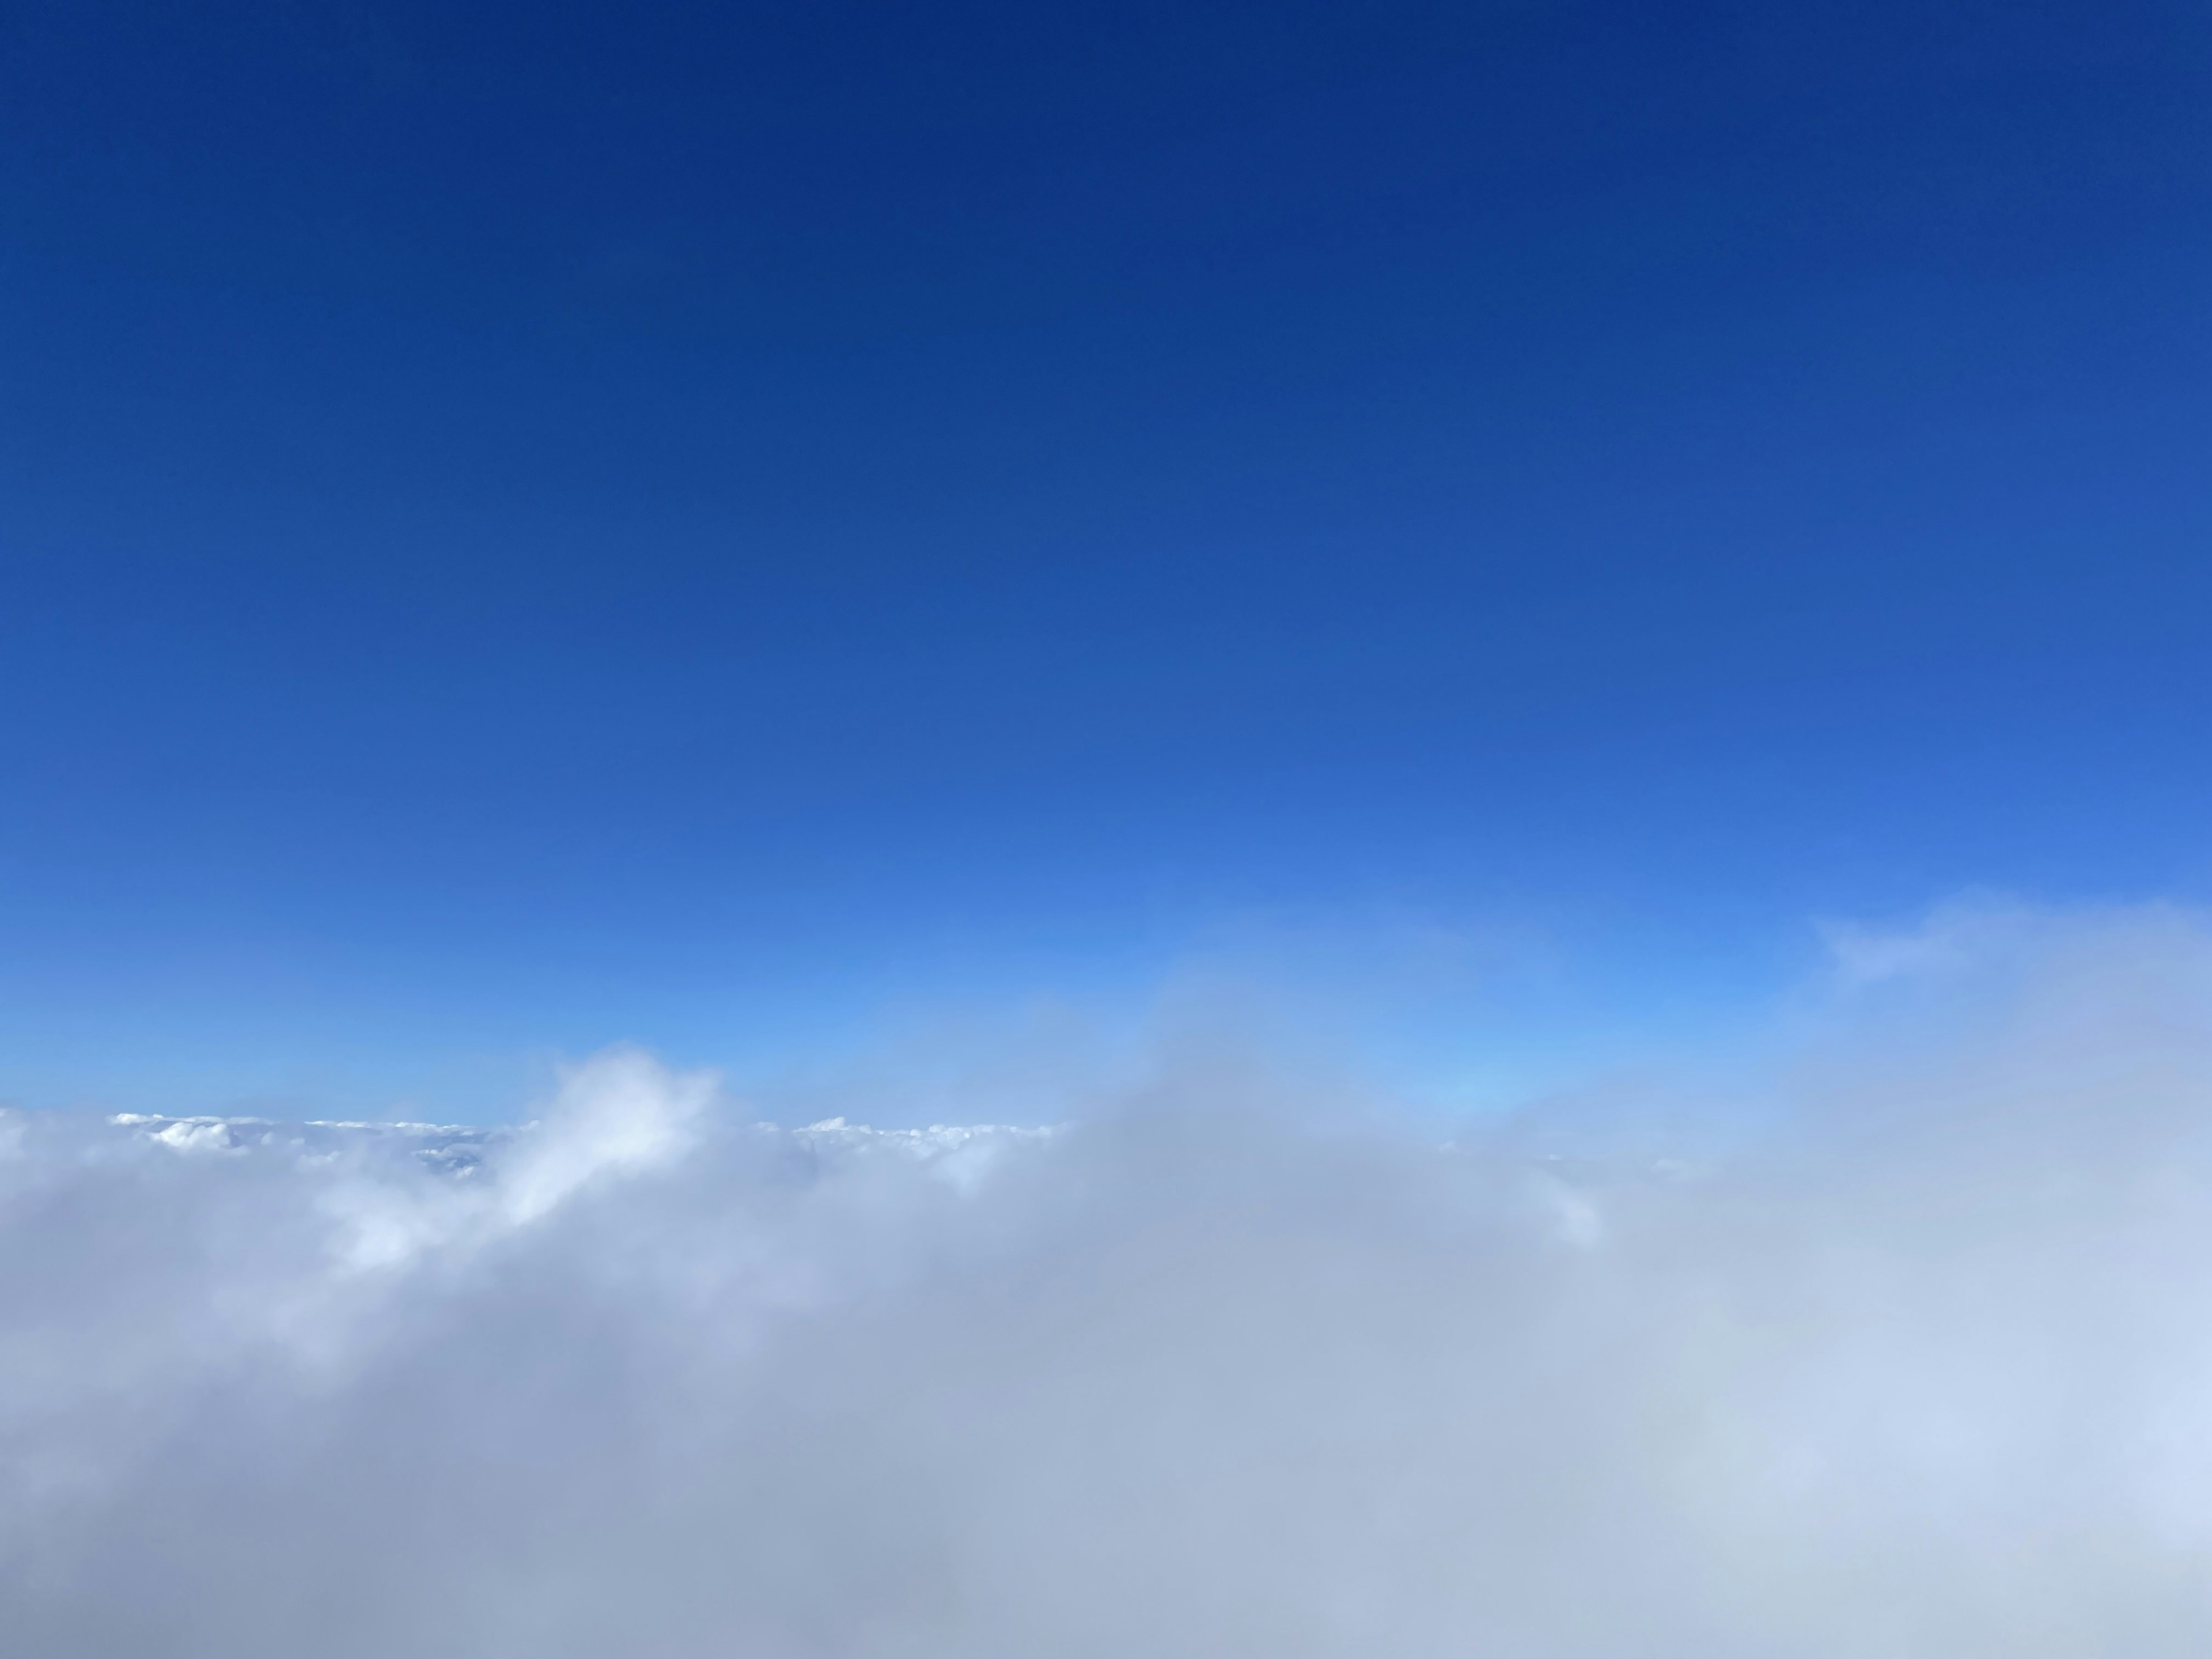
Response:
column 522, row 527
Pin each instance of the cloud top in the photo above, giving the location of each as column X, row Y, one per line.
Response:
column 1924, row 1367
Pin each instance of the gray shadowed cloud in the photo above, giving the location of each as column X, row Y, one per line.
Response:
column 1919, row 1364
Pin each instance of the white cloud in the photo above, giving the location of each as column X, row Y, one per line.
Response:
column 1926, row 1369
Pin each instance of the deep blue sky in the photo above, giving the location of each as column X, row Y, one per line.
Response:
column 526, row 525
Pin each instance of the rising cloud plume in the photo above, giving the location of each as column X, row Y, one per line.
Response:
column 1916, row 1360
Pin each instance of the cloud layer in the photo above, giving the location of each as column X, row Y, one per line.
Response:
column 1919, row 1364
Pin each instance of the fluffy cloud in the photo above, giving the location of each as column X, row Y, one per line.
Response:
column 1919, row 1364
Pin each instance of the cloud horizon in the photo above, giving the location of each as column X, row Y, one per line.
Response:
column 1913, row 1360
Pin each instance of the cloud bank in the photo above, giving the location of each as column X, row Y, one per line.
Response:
column 1917, row 1363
